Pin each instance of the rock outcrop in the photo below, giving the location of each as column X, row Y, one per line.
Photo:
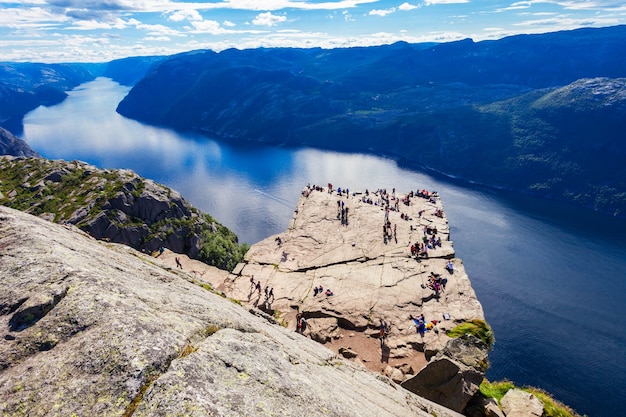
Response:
column 518, row 403
column 115, row 205
column 12, row 145
column 92, row 328
column 453, row 376
column 371, row 277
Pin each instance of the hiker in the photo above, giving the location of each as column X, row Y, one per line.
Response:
column 302, row 325
column 252, row 285
column 178, row 264
column 383, row 329
column 298, row 323
column 271, row 294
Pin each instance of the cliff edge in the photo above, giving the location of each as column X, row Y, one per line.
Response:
column 384, row 256
column 96, row 328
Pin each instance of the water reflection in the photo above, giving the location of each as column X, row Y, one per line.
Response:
column 552, row 279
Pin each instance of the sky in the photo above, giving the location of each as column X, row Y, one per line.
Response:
column 100, row 31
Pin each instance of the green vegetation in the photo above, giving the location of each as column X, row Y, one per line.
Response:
column 78, row 193
column 496, row 389
column 552, row 407
column 219, row 245
column 476, row 327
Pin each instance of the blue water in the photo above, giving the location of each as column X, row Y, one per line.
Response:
column 551, row 278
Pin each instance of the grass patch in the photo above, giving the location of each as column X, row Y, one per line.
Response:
column 476, row 327
column 552, row 407
column 496, row 389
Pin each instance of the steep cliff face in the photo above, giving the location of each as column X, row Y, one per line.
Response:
column 99, row 329
column 12, row 145
column 342, row 243
column 116, row 205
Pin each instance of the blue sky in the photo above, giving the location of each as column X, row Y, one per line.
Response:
column 99, row 31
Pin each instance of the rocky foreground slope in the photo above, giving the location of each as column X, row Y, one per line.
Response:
column 92, row 328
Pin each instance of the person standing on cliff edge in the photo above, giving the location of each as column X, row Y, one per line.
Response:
column 383, row 329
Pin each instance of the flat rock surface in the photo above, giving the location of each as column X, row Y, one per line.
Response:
column 371, row 277
column 98, row 329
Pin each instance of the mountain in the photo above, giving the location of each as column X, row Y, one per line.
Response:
column 128, row 71
column 117, row 206
column 12, row 145
column 491, row 112
column 25, row 86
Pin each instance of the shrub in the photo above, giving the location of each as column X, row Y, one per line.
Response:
column 476, row 327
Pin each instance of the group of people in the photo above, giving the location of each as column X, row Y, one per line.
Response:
column 437, row 283
column 320, row 290
column 421, row 326
column 256, row 285
column 342, row 212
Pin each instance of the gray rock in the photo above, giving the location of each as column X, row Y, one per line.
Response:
column 126, row 217
column 347, row 353
column 518, row 403
column 99, row 329
column 12, row 145
column 454, row 375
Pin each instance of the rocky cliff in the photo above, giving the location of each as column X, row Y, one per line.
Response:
column 92, row 328
column 12, row 145
column 358, row 245
column 118, row 206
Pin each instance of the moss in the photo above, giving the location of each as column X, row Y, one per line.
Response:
column 187, row 350
column 495, row 390
column 209, row 330
column 477, row 327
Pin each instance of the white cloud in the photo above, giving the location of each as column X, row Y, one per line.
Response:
column 268, row 19
column 407, row 6
column 180, row 15
column 228, row 23
column 382, row 12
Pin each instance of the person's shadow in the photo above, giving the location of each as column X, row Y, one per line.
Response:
column 384, row 353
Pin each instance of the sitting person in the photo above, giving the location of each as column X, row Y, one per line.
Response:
column 450, row 267
column 329, row 292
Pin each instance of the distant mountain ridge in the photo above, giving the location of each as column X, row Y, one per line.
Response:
column 24, row 85
column 491, row 112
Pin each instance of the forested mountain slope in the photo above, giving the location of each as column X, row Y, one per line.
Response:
column 539, row 114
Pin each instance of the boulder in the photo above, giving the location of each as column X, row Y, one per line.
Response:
column 518, row 403
column 454, row 375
